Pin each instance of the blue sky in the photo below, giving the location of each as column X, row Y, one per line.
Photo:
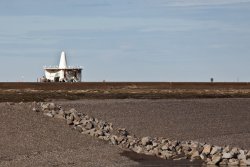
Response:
column 127, row 40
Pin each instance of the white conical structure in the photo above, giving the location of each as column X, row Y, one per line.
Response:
column 63, row 61
column 63, row 73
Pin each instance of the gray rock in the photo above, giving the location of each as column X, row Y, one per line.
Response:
column 75, row 115
column 61, row 112
column 137, row 149
column 223, row 162
column 216, row 159
column 233, row 162
column 185, row 148
column 132, row 143
column 248, row 154
column 96, row 120
column 247, row 161
column 99, row 133
column 59, row 116
column 242, row 163
column 234, row 151
column 51, row 106
column 101, row 137
column 179, row 150
column 86, row 117
column 156, row 151
column 86, row 132
column 113, row 140
column 48, row 114
column 149, row 147
column 108, row 128
column 82, row 127
column 155, row 144
column 120, row 139
column 165, row 147
column 241, row 156
column 53, row 112
column 48, row 106
column 174, row 143
column 163, row 141
column 123, row 132
column 84, row 122
column 171, row 148
column 72, row 110
column 166, row 154
column 106, row 138
column 226, row 149
column 195, row 155
column 70, row 117
column 203, row 156
column 88, row 125
column 67, row 112
column 79, row 129
column 101, row 124
column 194, row 145
column 145, row 141
column 92, row 132
column 227, row 155
column 44, row 106
column 180, row 158
column 69, row 122
column 130, row 138
column 206, row 149
column 150, row 152
column 35, row 109
column 243, row 152
column 76, row 122
column 92, row 119
column 215, row 149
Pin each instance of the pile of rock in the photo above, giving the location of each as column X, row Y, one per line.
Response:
column 81, row 122
column 215, row 155
column 160, row 147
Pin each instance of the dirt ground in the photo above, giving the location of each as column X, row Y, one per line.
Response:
column 28, row 92
column 216, row 121
column 32, row 139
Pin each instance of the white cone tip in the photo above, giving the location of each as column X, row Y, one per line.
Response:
column 63, row 61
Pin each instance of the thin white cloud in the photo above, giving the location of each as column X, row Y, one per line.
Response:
column 191, row 3
column 33, row 28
